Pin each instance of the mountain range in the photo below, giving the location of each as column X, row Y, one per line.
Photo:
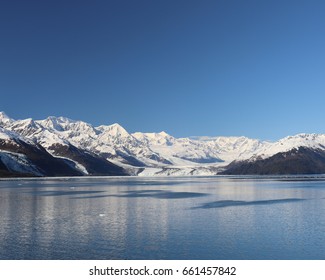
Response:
column 58, row 146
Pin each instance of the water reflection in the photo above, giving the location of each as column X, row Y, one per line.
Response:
column 160, row 194
column 165, row 218
column 58, row 193
column 230, row 203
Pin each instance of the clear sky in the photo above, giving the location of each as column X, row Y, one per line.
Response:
column 204, row 67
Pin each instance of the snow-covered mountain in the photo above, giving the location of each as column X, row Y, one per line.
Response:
column 111, row 150
column 11, row 161
column 179, row 151
column 22, row 156
column 51, row 135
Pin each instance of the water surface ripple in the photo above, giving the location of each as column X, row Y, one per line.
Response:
column 163, row 218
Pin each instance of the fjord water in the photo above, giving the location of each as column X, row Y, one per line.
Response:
column 163, row 218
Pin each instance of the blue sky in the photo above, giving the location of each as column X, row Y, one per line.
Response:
column 222, row 67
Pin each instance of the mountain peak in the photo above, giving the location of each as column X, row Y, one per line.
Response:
column 53, row 123
column 164, row 134
column 114, row 130
column 3, row 115
column 4, row 119
column 28, row 121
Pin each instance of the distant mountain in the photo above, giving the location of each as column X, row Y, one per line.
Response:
column 300, row 160
column 58, row 146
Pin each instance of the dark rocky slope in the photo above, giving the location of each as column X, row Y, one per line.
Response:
column 296, row 161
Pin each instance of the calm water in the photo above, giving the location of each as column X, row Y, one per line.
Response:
column 163, row 218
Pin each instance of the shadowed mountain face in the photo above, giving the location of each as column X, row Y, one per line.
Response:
column 297, row 161
column 40, row 162
column 92, row 163
column 4, row 172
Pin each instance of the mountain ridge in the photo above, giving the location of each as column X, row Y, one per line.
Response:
column 112, row 150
